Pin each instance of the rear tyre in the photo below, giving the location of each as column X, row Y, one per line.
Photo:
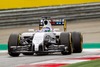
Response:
column 77, row 41
column 13, row 41
column 65, row 40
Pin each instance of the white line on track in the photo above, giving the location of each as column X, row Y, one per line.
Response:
column 3, row 51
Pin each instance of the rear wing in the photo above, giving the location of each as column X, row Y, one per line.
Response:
column 56, row 23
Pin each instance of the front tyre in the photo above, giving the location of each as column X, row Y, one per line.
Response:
column 65, row 40
column 13, row 42
column 77, row 41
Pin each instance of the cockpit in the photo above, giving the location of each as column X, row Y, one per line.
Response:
column 46, row 29
column 45, row 25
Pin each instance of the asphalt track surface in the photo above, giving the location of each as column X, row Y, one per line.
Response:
column 89, row 28
column 7, row 61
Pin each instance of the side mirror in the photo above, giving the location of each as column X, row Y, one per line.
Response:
column 31, row 30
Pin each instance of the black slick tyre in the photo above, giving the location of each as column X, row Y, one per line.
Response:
column 13, row 41
column 77, row 41
column 65, row 40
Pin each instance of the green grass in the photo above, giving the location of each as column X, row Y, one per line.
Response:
column 94, row 63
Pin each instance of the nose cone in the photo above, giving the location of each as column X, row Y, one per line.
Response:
column 37, row 40
column 37, row 43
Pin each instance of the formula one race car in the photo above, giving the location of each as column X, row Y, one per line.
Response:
column 45, row 41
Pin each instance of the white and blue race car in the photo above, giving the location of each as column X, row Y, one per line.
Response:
column 45, row 41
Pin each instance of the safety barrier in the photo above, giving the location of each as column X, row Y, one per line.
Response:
column 29, row 16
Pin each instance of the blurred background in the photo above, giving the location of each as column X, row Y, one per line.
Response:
column 17, row 16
